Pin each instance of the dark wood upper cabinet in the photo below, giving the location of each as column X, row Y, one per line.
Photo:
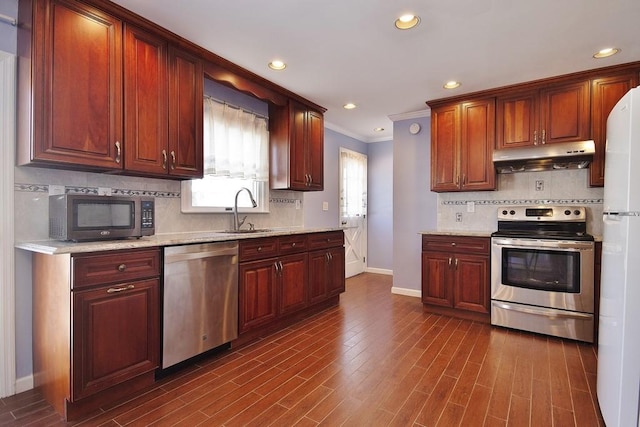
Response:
column 605, row 93
column 554, row 113
column 462, row 138
column 163, row 108
column 145, row 101
column 297, row 147
column 186, row 88
column 70, row 108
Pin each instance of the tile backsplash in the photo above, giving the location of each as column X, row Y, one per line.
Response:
column 31, row 191
column 525, row 188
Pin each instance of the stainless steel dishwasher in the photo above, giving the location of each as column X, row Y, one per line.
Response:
column 200, row 299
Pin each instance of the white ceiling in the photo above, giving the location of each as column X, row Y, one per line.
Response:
column 340, row 51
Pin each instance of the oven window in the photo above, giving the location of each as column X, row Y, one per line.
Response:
column 546, row 270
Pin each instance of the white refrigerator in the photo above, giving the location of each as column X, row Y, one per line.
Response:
column 618, row 382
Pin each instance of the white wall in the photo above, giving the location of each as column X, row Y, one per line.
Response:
column 414, row 205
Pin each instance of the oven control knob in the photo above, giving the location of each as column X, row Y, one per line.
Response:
column 512, row 212
column 577, row 212
column 504, row 212
column 567, row 212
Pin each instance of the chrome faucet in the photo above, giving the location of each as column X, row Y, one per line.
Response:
column 238, row 223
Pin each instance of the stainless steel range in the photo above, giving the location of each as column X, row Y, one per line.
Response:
column 542, row 271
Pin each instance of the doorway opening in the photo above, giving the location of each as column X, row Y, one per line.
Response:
column 353, row 209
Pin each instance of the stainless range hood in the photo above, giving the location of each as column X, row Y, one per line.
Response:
column 559, row 156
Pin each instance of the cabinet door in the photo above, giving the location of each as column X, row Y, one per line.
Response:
column 517, row 120
column 318, row 276
column 115, row 335
column 445, row 143
column 315, row 150
column 298, row 156
column 145, row 102
column 77, row 86
column 436, row 278
column 292, row 278
column 186, row 81
column 605, row 93
column 565, row 113
column 471, row 283
column 476, row 146
column 335, row 275
column 257, row 292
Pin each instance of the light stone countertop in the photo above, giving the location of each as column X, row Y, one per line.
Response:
column 53, row 247
column 461, row 233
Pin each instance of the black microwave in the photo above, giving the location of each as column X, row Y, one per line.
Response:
column 80, row 217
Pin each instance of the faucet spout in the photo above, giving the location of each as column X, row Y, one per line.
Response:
column 237, row 223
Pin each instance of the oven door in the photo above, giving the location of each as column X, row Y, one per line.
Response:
column 544, row 273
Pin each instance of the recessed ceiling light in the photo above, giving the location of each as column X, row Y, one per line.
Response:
column 406, row 22
column 277, row 65
column 349, row 106
column 378, row 129
column 604, row 53
column 452, row 84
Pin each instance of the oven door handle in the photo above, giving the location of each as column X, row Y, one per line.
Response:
column 552, row 244
column 543, row 312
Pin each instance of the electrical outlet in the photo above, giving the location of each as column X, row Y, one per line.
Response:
column 471, row 207
column 325, row 206
column 54, row 190
column 539, row 184
column 298, row 204
column 104, row 191
column 458, row 216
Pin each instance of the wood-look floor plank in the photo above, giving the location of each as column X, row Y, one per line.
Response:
column 378, row 359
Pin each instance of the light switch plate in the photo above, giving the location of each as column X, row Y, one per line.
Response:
column 325, row 206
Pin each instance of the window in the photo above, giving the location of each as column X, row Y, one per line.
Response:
column 236, row 155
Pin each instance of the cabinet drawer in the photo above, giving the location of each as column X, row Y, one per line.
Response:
column 465, row 244
column 115, row 266
column 257, row 248
column 292, row 244
column 326, row 240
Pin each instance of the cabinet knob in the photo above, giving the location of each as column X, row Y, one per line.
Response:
column 122, row 267
column 453, row 243
column 293, row 245
column 259, row 249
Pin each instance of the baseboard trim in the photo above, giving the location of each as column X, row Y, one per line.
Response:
column 379, row 271
column 406, row 292
column 24, row 384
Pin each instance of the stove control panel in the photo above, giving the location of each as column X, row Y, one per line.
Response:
column 543, row 213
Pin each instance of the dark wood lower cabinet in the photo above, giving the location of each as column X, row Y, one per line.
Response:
column 282, row 280
column 455, row 275
column 95, row 341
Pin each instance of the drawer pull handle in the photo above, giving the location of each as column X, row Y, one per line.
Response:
column 122, row 267
column 118, row 152
column 164, row 159
column 173, row 160
column 125, row 288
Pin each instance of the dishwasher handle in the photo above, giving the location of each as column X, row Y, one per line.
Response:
column 182, row 255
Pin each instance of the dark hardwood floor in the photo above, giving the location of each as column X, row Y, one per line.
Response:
column 377, row 359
